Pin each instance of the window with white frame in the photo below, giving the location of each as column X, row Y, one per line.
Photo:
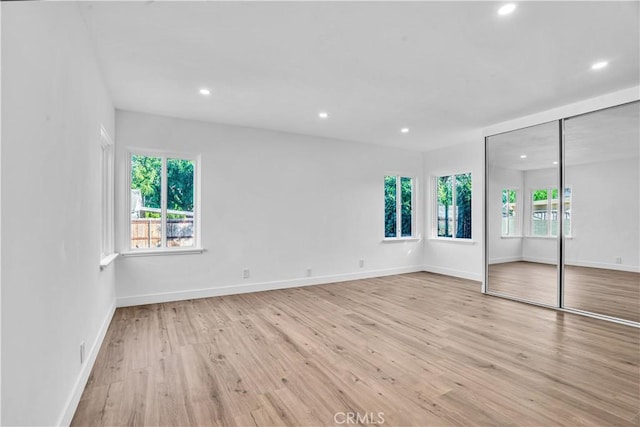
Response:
column 545, row 210
column 398, row 207
column 107, row 190
column 163, row 201
column 510, row 226
column 453, row 206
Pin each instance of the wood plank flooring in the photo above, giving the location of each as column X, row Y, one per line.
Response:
column 610, row 292
column 423, row 349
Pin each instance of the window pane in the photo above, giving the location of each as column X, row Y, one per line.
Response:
column 390, row 219
column 406, row 188
column 539, row 220
column 445, row 206
column 180, row 231
column 463, row 206
column 509, row 212
column 146, row 225
column 505, row 213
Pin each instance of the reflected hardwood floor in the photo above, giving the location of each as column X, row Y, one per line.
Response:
column 422, row 348
column 610, row 292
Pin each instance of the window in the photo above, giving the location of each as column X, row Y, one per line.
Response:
column 509, row 213
column 544, row 212
column 163, row 202
column 107, row 202
column 398, row 207
column 453, row 206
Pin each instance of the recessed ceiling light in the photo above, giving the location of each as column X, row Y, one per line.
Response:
column 323, row 114
column 523, row 156
column 205, row 91
column 599, row 65
column 507, row 9
column 404, row 130
column 555, row 163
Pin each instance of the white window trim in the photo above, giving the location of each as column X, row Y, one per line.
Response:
column 107, row 217
column 530, row 235
column 197, row 248
column 414, row 186
column 434, row 222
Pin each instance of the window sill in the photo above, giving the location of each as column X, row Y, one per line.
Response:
column 547, row 237
column 105, row 261
column 160, row 252
column 400, row 239
column 512, row 237
column 452, row 240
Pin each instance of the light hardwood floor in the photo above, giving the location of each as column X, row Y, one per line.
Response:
column 610, row 292
column 424, row 349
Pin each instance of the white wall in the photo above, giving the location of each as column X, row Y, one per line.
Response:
column 273, row 202
column 456, row 258
column 592, row 104
column 606, row 220
column 53, row 293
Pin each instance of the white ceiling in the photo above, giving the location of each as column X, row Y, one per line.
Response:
column 443, row 69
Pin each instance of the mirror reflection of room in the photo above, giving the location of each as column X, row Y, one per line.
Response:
column 522, row 201
column 598, row 208
column 602, row 256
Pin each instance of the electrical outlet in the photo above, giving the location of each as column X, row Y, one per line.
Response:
column 82, row 352
column 308, row 272
column 246, row 273
column 619, row 260
column 361, row 263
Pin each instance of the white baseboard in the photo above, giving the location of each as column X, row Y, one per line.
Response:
column 453, row 272
column 505, row 259
column 540, row 260
column 606, row 266
column 591, row 264
column 244, row 288
column 83, row 377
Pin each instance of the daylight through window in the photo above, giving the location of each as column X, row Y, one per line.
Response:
column 162, row 202
column 398, row 206
column 509, row 213
column 544, row 212
column 453, row 206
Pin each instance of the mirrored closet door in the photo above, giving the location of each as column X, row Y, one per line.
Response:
column 602, row 241
column 562, row 214
column 522, row 212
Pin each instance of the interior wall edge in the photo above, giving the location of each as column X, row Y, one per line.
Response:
column 237, row 289
column 83, row 376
